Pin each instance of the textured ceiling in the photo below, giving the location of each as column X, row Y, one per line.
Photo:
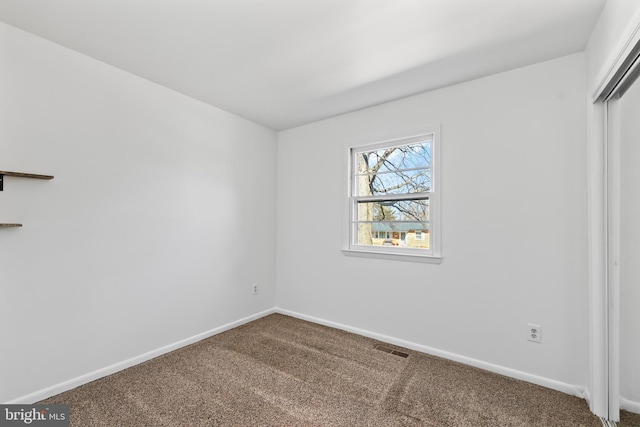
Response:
column 283, row 63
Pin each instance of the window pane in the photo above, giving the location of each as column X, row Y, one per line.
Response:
column 393, row 159
column 413, row 235
column 397, row 210
column 415, row 181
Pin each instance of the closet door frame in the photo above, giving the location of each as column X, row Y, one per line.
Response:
column 604, row 226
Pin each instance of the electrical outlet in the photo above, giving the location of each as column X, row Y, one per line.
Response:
column 534, row 333
column 254, row 289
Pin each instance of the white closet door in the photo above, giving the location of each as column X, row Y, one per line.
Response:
column 629, row 337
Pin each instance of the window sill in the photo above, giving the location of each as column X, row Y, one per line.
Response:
column 428, row 259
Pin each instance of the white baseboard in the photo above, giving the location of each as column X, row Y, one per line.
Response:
column 103, row 372
column 116, row 367
column 630, row 405
column 513, row 373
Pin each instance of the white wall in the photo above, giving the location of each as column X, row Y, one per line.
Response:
column 160, row 216
column 630, row 249
column 514, row 222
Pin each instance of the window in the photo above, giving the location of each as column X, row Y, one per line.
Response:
column 381, row 234
column 393, row 198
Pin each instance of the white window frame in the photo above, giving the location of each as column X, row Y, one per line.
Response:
column 400, row 252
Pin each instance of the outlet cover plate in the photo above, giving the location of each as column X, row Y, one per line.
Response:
column 534, row 333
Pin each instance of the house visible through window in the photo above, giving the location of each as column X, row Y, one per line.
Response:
column 393, row 201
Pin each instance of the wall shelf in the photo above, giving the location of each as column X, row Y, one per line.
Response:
column 26, row 175
column 18, row 175
column 21, row 175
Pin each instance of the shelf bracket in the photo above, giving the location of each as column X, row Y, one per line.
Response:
column 1, row 182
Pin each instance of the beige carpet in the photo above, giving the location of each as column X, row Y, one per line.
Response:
column 628, row 419
column 281, row 371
